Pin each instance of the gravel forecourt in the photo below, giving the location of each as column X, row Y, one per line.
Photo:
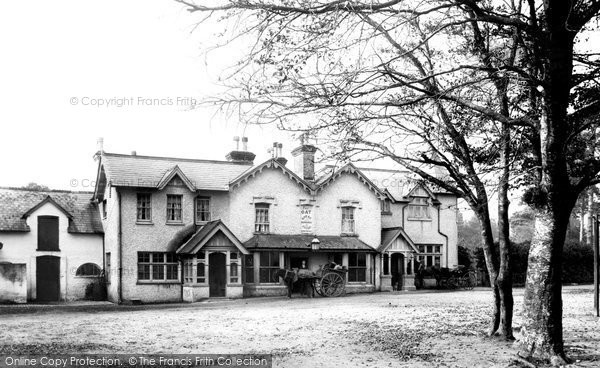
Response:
column 402, row 329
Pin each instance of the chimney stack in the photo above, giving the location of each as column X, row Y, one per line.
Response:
column 304, row 160
column 99, row 148
column 133, row 153
column 242, row 156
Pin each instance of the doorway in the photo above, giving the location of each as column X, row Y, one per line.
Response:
column 217, row 275
column 47, row 279
column 397, row 270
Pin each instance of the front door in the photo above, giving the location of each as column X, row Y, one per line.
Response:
column 397, row 270
column 47, row 278
column 217, row 276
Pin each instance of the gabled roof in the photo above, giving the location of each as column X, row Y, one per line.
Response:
column 205, row 233
column 400, row 184
column 424, row 187
column 388, row 235
column 48, row 199
column 333, row 175
column 150, row 171
column 302, row 242
column 271, row 163
column 172, row 173
column 17, row 204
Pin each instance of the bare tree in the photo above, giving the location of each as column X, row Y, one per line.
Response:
column 466, row 85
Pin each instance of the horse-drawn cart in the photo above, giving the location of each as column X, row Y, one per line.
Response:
column 330, row 280
column 457, row 278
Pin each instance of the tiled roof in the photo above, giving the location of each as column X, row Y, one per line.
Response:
column 327, row 177
column 148, row 171
column 15, row 203
column 397, row 183
column 302, row 242
column 199, row 235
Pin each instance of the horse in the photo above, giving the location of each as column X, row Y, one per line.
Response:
column 290, row 277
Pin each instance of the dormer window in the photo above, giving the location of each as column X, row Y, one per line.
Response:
column 385, row 207
column 174, row 208
column 418, row 209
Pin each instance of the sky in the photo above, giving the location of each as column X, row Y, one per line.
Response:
column 72, row 71
column 127, row 71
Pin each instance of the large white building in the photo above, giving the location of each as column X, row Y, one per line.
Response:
column 185, row 229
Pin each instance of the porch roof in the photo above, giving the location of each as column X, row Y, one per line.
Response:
column 205, row 233
column 302, row 243
column 388, row 235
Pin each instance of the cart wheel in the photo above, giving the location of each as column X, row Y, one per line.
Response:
column 469, row 281
column 332, row 284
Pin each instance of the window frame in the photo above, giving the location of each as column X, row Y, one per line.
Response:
column 264, row 226
column 418, row 209
column 248, row 269
column 351, row 221
column 140, row 208
column 354, row 268
column 99, row 270
column 208, row 212
column 430, row 253
column 201, row 265
column 173, row 207
column 386, row 207
column 107, row 267
column 162, row 267
column 271, row 268
column 104, row 210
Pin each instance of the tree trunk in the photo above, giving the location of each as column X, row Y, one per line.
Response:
column 488, row 252
column 541, row 333
column 504, row 280
column 589, row 233
column 581, row 221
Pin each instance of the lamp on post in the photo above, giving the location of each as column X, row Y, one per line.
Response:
column 315, row 244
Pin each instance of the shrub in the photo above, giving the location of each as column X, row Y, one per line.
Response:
column 578, row 261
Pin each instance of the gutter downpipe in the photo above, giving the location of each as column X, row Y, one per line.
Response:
column 120, row 285
column 441, row 233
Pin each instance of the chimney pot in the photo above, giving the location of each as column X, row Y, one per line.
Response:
column 100, row 144
column 242, row 156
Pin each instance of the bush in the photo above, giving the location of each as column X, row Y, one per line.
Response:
column 464, row 256
column 96, row 290
column 578, row 262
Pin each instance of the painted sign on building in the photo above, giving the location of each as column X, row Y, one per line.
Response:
column 306, row 220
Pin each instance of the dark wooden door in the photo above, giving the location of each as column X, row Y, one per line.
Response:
column 48, row 278
column 397, row 269
column 217, row 276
